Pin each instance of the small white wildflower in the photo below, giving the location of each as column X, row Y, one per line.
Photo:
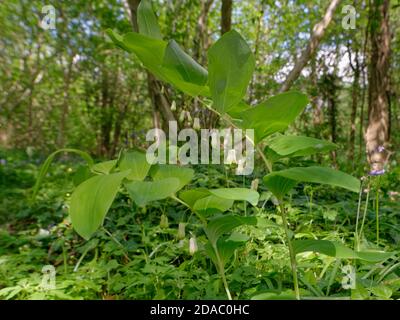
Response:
column 192, row 245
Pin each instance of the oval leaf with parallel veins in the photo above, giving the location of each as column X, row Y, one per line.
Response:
column 91, row 201
column 281, row 182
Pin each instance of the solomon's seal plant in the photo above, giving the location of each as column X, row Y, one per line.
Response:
column 221, row 89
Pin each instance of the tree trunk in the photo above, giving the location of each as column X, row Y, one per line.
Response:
column 202, row 32
column 377, row 134
column 354, row 102
column 226, row 16
column 160, row 101
column 202, row 42
column 316, row 37
column 65, row 104
column 256, row 49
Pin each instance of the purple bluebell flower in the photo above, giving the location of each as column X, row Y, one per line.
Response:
column 3, row 162
column 377, row 172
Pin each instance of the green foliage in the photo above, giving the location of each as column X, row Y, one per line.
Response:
column 147, row 20
column 231, row 65
column 91, row 201
column 274, row 114
column 137, row 163
column 184, row 175
column 237, row 194
column 143, row 192
column 138, row 253
column 281, row 182
column 298, row 146
column 49, row 160
column 337, row 250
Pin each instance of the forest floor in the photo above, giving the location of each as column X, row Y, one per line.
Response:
column 133, row 257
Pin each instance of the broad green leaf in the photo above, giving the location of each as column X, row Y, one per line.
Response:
column 136, row 162
column 244, row 194
column 91, row 201
column 82, row 173
column 185, row 73
column 147, row 20
column 274, row 114
column 223, row 224
column 231, row 64
column 374, row 256
column 338, row 250
column 143, row 192
column 46, row 165
column 226, row 248
column 236, row 111
column 150, row 51
column 382, row 292
column 296, row 146
column 184, row 175
column 191, row 196
column 167, row 62
column 281, row 182
column 286, row 295
column 104, row 167
column 203, row 202
column 329, row 248
column 211, row 205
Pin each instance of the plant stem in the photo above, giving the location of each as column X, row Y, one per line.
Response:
column 293, row 262
column 221, row 271
column 365, row 212
column 201, row 218
column 377, row 211
column 356, row 239
column 117, row 242
column 266, row 161
column 81, row 258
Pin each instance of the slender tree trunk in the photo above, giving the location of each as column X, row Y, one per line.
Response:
column 201, row 42
column 160, row 101
column 364, row 88
column 316, row 37
column 202, row 32
column 354, row 103
column 377, row 134
column 353, row 116
column 65, row 104
column 226, row 16
column 256, row 49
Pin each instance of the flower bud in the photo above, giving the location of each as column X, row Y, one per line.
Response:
column 182, row 116
column 196, row 124
column 173, row 106
column 181, row 231
column 192, row 245
column 254, row 184
column 188, row 116
column 164, row 221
